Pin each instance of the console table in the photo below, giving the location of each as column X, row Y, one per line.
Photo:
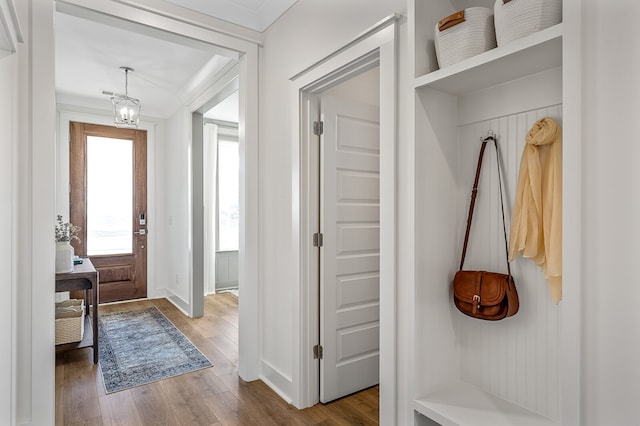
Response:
column 83, row 277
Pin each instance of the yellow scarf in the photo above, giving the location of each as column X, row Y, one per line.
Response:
column 536, row 225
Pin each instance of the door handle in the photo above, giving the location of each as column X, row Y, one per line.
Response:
column 141, row 232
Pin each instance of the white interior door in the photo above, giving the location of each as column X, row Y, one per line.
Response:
column 350, row 254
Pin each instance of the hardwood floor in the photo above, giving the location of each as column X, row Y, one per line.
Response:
column 213, row 396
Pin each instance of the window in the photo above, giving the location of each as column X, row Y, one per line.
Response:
column 109, row 196
column 228, row 195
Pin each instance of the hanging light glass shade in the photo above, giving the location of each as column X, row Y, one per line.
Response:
column 126, row 110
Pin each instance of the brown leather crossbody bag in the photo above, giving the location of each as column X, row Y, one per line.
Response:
column 480, row 294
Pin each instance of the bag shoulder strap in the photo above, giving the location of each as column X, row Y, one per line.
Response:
column 474, row 193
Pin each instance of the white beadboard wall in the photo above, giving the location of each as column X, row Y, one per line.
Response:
column 516, row 359
column 226, row 270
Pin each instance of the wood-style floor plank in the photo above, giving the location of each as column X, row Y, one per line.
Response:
column 213, row 396
column 118, row 411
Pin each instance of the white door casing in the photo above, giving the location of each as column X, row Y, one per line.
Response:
column 350, row 254
column 378, row 44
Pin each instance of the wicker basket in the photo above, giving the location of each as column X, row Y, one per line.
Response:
column 69, row 321
column 520, row 18
column 464, row 34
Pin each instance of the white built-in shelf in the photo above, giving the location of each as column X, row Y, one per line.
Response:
column 522, row 57
column 463, row 404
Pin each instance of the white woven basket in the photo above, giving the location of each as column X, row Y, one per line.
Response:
column 69, row 321
column 520, row 18
column 466, row 39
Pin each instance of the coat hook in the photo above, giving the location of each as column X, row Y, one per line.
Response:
column 490, row 136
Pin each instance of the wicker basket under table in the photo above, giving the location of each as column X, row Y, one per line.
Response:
column 69, row 321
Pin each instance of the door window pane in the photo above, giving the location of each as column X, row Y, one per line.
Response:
column 228, row 195
column 109, row 196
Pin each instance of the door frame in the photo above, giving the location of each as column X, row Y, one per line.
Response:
column 246, row 71
column 377, row 45
column 67, row 114
column 248, row 259
column 37, row 60
column 227, row 80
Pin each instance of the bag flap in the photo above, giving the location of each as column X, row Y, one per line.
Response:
column 490, row 286
column 466, row 284
column 451, row 20
column 493, row 288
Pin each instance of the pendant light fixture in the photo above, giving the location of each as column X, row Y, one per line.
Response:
column 126, row 110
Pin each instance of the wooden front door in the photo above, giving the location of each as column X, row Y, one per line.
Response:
column 108, row 200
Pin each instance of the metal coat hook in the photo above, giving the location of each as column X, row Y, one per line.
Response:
column 491, row 136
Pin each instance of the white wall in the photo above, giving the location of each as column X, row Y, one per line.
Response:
column 174, row 216
column 226, row 270
column 306, row 33
column 8, row 142
column 611, row 228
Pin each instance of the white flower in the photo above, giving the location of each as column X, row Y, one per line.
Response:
column 66, row 231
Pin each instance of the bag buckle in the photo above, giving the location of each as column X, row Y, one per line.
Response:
column 476, row 300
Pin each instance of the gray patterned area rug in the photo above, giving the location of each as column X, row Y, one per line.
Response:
column 143, row 346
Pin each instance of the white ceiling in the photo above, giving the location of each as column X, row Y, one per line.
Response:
column 91, row 48
column 254, row 14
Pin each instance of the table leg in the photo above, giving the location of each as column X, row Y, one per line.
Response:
column 94, row 290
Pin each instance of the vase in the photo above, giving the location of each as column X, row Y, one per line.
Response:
column 64, row 257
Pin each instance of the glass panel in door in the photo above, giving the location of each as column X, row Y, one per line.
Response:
column 109, row 196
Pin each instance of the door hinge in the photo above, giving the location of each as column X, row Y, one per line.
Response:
column 317, row 352
column 318, row 128
column 318, row 239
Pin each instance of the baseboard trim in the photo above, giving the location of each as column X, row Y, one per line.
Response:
column 277, row 381
column 226, row 285
column 178, row 302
